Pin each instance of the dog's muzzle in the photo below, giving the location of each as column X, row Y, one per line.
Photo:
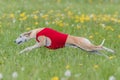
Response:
column 20, row 40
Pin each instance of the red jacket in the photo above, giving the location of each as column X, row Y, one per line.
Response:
column 57, row 39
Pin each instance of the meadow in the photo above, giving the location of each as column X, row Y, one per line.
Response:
column 93, row 19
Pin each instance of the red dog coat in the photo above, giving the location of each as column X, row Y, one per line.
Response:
column 57, row 39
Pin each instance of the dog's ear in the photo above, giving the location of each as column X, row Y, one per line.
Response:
column 27, row 33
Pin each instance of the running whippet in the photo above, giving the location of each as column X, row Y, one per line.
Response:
column 53, row 39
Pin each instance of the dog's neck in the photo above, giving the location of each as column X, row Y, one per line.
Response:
column 34, row 32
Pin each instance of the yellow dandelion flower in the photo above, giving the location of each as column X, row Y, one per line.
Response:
column 87, row 18
column 70, row 13
column 94, row 18
column 112, row 29
column 91, row 37
column 76, row 18
column 50, row 12
column 67, row 66
column 24, row 18
column 51, row 50
column 61, row 24
column 58, row 15
column 22, row 14
column 112, row 57
column 35, row 17
column 12, row 15
column 45, row 16
column 109, row 28
column 55, row 78
column 119, row 36
column 82, row 19
column 96, row 66
column 28, row 28
column 105, row 18
column 36, row 23
column 114, row 19
column 96, row 33
column 118, row 21
column 35, row 12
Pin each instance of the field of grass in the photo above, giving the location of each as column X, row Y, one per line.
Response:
column 93, row 19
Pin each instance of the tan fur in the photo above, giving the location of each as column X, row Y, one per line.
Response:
column 80, row 42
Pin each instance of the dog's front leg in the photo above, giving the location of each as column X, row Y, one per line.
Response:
column 37, row 45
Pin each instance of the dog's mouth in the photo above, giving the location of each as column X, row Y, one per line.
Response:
column 19, row 42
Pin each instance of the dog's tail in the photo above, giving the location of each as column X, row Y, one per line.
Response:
column 101, row 47
column 102, row 42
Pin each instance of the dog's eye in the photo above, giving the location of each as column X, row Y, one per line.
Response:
column 26, row 35
column 20, row 36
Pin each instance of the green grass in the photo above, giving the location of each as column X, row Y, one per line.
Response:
column 45, row 64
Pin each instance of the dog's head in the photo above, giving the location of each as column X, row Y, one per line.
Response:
column 23, row 37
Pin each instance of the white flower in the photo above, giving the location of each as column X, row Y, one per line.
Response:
column 47, row 23
column 91, row 16
column 14, row 74
column 14, row 20
column 22, row 69
column 103, row 25
column 67, row 73
column 112, row 78
column 1, row 76
column 72, row 25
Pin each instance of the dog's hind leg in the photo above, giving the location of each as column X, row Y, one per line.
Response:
column 101, row 47
column 80, row 42
column 100, row 54
column 86, row 45
column 90, row 47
